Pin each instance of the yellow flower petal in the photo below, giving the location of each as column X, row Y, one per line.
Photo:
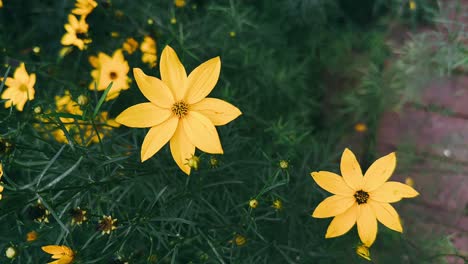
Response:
column 218, row 111
column 173, row 73
column 391, row 192
column 379, row 172
column 181, row 149
column 154, row 89
column 342, row 223
column 386, row 215
column 157, row 137
column 351, row 170
column 143, row 115
column 202, row 133
column 21, row 75
column 202, row 80
column 333, row 205
column 31, row 82
column 367, row 224
column 52, row 249
column 332, row 183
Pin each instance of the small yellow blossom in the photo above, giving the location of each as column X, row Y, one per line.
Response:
column 11, row 252
column 193, row 162
column 150, row 21
column 37, row 110
column 240, row 240
column 107, row 224
column 253, row 203
column 409, row 181
column 360, row 127
column 84, row 7
column 284, row 164
column 20, row 88
column 78, row 216
column 412, row 5
column 363, row 252
column 277, row 204
column 110, row 69
column 179, row 3
column 173, row 20
column 77, row 33
column 148, row 48
column 31, row 236
column 232, row 34
column 36, row 49
column 1, row 186
column 82, row 100
column 131, row 45
column 361, row 199
column 178, row 110
column 115, row 34
column 214, row 162
column 39, row 213
column 1, row 3
column 62, row 254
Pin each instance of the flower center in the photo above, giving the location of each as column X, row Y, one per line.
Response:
column 180, row 109
column 23, row 88
column 80, row 35
column 113, row 75
column 361, row 197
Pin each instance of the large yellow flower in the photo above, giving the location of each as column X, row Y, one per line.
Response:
column 110, row 69
column 362, row 199
column 77, row 32
column 178, row 110
column 20, row 88
column 84, row 7
column 62, row 254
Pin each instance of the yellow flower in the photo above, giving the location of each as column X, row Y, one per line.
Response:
column 78, row 216
column 284, row 164
column 131, row 45
column 20, row 88
column 253, row 203
column 77, row 31
column 277, row 204
column 148, row 48
column 11, row 252
column 179, row 3
column 412, row 5
column 173, row 20
column 409, row 181
column 240, row 240
column 62, row 254
column 107, row 224
column 361, row 199
column 84, row 7
column 1, row 3
column 1, row 174
column 110, row 69
column 363, row 252
column 360, row 127
column 178, row 110
column 232, row 34
column 31, row 236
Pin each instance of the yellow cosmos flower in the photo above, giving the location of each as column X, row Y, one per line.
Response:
column 179, row 3
column 77, row 31
column 130, row 45
column 20, row 88
column 31, row 236
column 62, row 254
column 110, row 69
column 361, row 199
column 84, row 7
column 148, row 48
column 178, row 110
column 1, row 3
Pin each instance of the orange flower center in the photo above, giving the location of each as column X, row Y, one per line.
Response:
column 361, row 197
column 180, row 109
column 23, row 88
column 113, row 75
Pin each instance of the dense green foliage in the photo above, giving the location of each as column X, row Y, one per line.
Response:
column 294, row 68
